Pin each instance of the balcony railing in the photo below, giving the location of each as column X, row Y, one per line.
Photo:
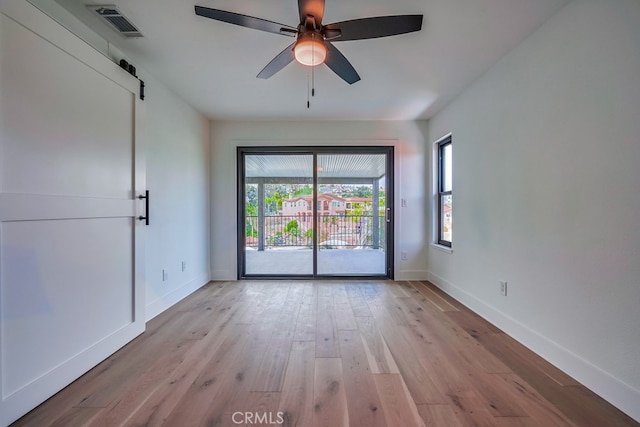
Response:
column 334, row 231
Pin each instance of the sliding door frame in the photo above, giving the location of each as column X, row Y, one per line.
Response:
column 242, row 152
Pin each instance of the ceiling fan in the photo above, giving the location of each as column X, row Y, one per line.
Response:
column 314, row 41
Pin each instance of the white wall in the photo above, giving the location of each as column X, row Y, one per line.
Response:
column 408, row 138
column 177, row 141
column 546, row 174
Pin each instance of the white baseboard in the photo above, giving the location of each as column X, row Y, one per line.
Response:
column 411, row 275
column 161, row 304
column 224, row 275
column 610, row 388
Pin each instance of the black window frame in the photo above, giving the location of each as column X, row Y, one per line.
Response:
column 388, row 151
column 447, row 141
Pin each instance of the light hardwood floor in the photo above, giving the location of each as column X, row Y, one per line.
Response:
column 320, row 353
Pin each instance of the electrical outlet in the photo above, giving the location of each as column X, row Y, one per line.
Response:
column 404, row 203
column 165, row 275
column 403, row 255
column 184, row 265
column 503, row 287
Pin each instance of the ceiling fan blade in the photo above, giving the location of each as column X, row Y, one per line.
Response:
column 340, row 65
column 314, row 8
column 246, row 21
column 374, row 27
column 278, row 63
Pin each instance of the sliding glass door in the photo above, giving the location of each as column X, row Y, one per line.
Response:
column 351, row 214
column 315, row 212
column 278, row 224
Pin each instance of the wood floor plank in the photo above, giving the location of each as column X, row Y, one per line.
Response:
column 442, row 369
column 270, row 372
column 358, row 304
column 306, row 321
column 234, row 381
column 434, row 298
column 296, row 399
column 397, row 289
column 385, row 306
column 215, row 377
column 365, row 408
column 326, row 328
column 116, row 372
column 415, row 351
column 76, row 417
column 538, row 362
column 456, row 305
column 340, row 295
column 262, row 297
column 208, row 296
column 517, row 422
column 454, row 375
column 440, row 415
column 472, row 323
column 329, row 398
column 344, row 316
column 166, row 397
column 377, row 351
column 438, row 350
column 537, row 408
column 121, row 408
column 579, row 404
column 399, row 407
column 399, row 340
column 440, row 327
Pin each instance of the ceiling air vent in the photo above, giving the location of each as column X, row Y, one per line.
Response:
column 112, row 16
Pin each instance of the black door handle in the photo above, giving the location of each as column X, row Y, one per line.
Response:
column 146, row 205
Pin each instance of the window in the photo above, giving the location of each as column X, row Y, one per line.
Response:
column 445, row 195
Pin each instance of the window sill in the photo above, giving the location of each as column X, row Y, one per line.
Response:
column 442, row 248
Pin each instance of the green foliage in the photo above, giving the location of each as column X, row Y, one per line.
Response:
column 250, row 230
column 251, row 210
column 274, row 202
column 251, row 200
column 304, row 191
column 360, row 191
column 292, row 228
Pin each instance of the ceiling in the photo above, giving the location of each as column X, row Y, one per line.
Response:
column 213, row 65
column 372, row 166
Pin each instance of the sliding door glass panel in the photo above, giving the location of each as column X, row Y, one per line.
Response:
column 351, row 206
column 278, row 215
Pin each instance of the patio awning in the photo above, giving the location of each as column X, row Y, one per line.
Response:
column 371, row 166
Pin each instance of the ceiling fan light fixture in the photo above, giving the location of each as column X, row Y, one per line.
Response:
column 310, row 51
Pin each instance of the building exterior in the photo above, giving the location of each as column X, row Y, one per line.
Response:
column 328, row 205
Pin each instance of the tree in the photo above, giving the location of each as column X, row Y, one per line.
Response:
column 304, row 191
column 251, row 230
column 273, row 203
column 292, row 228
column 364, row 191
column 251, row 200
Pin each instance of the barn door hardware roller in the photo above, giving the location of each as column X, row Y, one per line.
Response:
column 146, row 205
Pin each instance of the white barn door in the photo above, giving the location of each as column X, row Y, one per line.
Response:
column 71, row 247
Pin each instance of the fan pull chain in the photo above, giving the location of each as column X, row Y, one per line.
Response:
column 308, row 84
column 313, row 81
